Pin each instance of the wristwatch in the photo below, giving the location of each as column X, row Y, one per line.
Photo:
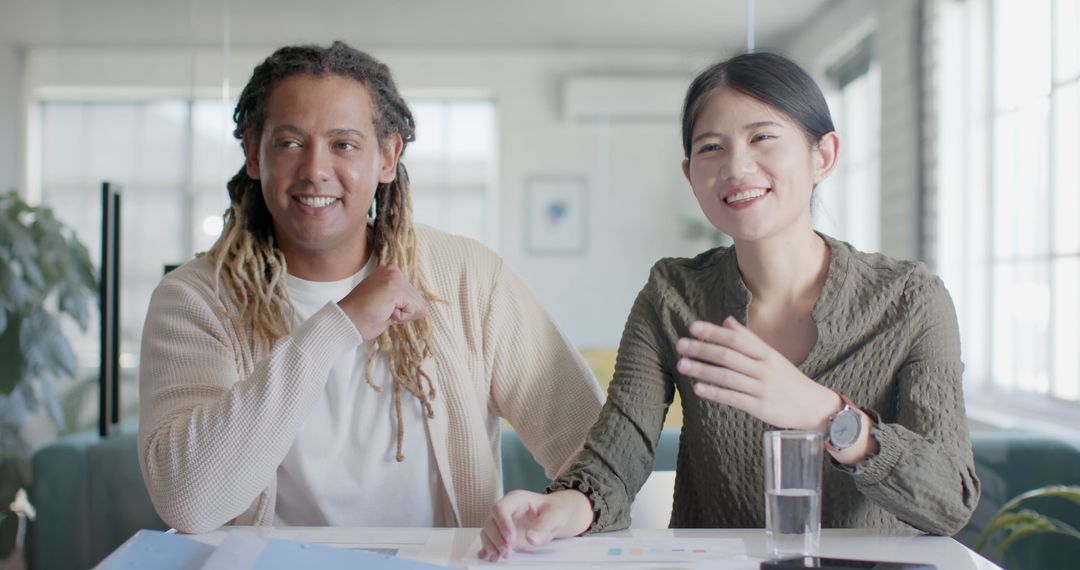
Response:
column 844, row 426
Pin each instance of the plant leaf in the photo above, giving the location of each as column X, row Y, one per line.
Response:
column 14, row 418
column 32, row 274
column 26, row 253
column 88, row 274
column 1016, row 525
column 13, row 370
column 28, row 396
column 45, row 347
column 52, row 403
column 52, row 254
column 73, row 303
column 14, row 291
column 1071, row 493
column 6, row 278
column 39, row 256
column 33, row 347
column 62, row 357
column 9, row 226
column 1032, row 524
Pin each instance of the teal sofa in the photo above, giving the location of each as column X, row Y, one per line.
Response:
column 90, row 496
column 1011, row 462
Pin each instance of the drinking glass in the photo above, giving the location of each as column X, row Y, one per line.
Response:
column 793, row 460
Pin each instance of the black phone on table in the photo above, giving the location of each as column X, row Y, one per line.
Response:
column 840, row 564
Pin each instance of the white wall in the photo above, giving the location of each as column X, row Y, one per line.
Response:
column 637, row 196
column 897, row 52
column 831, row 34
column 10, row 129
column 636, row 191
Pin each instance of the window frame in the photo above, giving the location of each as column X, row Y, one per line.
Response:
column 997, row 401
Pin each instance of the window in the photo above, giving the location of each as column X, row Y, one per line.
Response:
column 172, row 158
column 142, row 146
column 849, row 205
column 452, row 167
column 1008, row 187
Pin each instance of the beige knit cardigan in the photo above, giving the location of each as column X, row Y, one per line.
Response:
column 218, row 416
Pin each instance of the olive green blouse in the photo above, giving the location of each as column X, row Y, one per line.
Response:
column 887, row 338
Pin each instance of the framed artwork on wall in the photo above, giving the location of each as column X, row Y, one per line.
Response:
column 555, row 214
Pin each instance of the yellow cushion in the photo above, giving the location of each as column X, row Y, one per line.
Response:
column 602, row 363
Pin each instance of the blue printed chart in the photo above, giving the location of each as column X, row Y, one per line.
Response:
column 625, row 553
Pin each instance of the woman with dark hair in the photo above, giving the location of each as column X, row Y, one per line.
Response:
column 252, row 406
column 788, row 328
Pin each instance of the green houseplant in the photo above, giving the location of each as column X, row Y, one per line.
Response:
column 1011, row 523
column 45, row 273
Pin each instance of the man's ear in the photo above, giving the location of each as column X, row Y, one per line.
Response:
column 391, row 151
column 825, row 155
column 251, row 155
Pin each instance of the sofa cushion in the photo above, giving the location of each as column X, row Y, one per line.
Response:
column 1010, row 462
column 90, row 498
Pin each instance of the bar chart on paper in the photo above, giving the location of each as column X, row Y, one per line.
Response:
column 630, row 553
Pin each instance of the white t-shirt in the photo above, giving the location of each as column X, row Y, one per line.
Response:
column 341, row 469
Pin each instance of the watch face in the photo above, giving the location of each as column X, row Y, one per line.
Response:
column 844, row 429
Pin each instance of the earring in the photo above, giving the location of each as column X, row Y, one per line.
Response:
column 373, row 212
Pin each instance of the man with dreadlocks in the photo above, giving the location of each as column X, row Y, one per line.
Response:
column 328, row 363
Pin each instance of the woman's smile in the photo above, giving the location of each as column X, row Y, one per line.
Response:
column 741, row 198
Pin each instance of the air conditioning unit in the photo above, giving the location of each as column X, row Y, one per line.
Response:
column 624, row 98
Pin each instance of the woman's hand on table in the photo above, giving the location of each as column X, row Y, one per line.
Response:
column 523, row 519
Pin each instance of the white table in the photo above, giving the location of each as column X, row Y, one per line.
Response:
column 456, row 547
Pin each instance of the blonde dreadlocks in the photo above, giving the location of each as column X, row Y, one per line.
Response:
column 251, row 267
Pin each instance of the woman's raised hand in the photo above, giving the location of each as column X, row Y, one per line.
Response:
column 733, row 366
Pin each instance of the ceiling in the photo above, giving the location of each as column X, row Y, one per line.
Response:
column 529, row 24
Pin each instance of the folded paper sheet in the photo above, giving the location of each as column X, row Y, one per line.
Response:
column 244, row 551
